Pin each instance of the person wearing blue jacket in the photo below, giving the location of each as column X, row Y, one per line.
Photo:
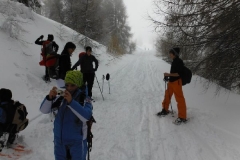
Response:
column 70, row 128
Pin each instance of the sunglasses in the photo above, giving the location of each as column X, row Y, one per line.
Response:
column 70, row 85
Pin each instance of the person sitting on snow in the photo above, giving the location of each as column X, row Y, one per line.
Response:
column 13, row 117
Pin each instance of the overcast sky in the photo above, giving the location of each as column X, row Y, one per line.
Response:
column 141, row 27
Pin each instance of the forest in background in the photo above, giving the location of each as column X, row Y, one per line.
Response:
column 104, row 21
column 208, row 33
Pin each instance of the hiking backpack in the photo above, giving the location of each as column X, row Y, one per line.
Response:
column 81, row 54
column 46, row 51
column 187, row 75
column 48, row 48
column 16, row 117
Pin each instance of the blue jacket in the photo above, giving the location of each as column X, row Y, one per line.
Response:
column 70, row 122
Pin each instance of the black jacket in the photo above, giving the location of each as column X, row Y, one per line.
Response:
column 176, row 67
column 40, row 42
column 64, row 64
column 86, row 63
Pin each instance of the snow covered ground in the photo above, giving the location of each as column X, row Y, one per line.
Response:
column 126, row 128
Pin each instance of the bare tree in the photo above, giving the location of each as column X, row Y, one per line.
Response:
column 208, row 33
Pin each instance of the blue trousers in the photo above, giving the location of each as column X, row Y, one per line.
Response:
column 77, row 149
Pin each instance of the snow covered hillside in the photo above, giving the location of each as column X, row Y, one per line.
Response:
column 126, row 128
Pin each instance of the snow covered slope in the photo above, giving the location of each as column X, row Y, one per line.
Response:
column 126, row 128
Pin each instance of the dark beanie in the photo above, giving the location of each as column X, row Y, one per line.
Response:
column 69, row 45
column 50, row 37
column 5, row 95
column 88, row 48
column 175, row 51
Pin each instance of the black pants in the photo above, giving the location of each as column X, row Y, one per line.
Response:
column 46, row 72
column 89, row 78
column 11, row 138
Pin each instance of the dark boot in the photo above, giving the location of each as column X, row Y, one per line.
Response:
column 163, row 113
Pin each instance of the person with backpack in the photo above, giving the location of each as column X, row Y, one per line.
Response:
column 175, row 87
column 53, row 47
column 86, row 63
column 65, row 62
column 13, row 117
column 70, row 124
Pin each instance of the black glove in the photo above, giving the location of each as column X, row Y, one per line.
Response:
column 166, row 78
column 41, row 37
column 95, row 69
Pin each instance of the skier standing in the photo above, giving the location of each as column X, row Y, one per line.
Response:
column 43, row 43
column 175, row 87
column 65, row 62
column 86, row 63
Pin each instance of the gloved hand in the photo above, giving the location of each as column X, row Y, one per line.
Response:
column 166, row 78
column 95, row 69
column 88, row 99
column 41, row 37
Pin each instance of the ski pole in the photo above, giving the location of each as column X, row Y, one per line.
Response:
column 103, row 82
column 169, row 97
column 107, row 78
column 99, row 86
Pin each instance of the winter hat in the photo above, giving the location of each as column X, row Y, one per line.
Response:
column 50, row 37
column 175, row 51
column 88, row 48
column 5, row 95
column 74, row 77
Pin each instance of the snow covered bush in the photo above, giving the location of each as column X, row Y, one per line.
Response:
column 12, row 15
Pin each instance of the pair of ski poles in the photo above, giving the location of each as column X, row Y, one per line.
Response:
column 107, row 78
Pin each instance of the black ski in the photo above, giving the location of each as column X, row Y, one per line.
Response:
column 170, row 113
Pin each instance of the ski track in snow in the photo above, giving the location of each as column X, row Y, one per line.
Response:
column 127, row 127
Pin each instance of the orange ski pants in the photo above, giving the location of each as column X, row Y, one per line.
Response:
column 176, row 89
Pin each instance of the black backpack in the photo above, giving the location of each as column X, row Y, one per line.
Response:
column 187, row 76
column 16, row 117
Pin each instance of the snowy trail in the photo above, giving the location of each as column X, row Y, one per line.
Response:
column 127, row 127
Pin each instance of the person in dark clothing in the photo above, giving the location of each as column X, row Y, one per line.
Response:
column 41, row 42
column 86, row 63
column 6, row 99
column 175, row 87
column 65, row 62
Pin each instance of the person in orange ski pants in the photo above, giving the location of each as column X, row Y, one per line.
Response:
column 175, row 87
